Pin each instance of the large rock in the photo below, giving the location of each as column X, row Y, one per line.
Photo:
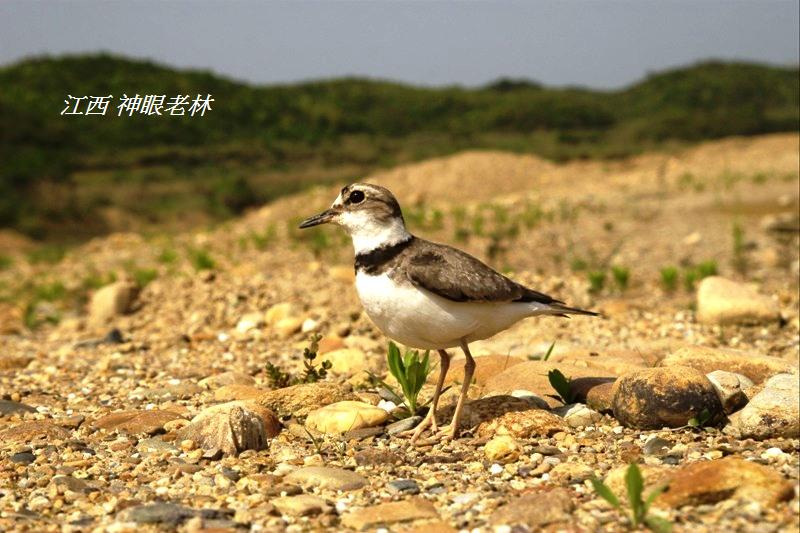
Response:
column 658, row 397
column 722, row 301
column 135, row 422
column 536, row 510
column 486, row 366
column 706, row 360
column 709, row 482
column 232, row 428
column 112, row 300
column 299, row 400
column 773, row 412
column 342, row 417
column 532, row 376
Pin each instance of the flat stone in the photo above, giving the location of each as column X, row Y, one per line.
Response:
column 181, row 391
column 325, row 477
column 523, row 424
column 709, row 482
column 299, row 400
column 31, row 431
column 535, row 510
column 226, row 378
column 403, row 425
column 756, row 367
column 722, row 301
column 136, row 422
column 385, row 514
column 486, row 366
column 23, row 458
column 341, row 417
column 403, row 486
column 301, row 505
column 571, row 473
column 168, row 514
column 7, row 407
column 657, row 397
column 232, row 427
column 657, row 446
column 773, row 412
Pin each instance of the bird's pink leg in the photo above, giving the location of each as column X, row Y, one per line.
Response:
column 451, row 431
column 430, row 418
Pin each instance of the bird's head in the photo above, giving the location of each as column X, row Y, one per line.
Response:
column 369, row 213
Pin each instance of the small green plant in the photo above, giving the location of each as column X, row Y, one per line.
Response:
column 278, row 378
column 49, row 254
column 640, row 508
column 707, row 268
column 411, row 371
column 143, row 276
column 578, row 264
column 693, row 274
column 5, row 262
column 167, row 256
column 263, row 240
column 201, row 259
column 669, row 278
column 597, row 280
column 545, row 356
column 701, row 420
column 561, row 384
column 621, row 277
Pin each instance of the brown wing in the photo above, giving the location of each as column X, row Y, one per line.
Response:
column 459, row 277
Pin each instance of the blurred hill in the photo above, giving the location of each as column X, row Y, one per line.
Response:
column 77, row 176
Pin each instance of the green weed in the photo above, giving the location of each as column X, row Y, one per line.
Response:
column 669, row 278
column 561, row 384
column 597, row 281
column 621, row 277
column 411, row 372
column 639, row 507
column 201, row 259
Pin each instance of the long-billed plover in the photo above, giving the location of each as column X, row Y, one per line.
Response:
column 425, row 295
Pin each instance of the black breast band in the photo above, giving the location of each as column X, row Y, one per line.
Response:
column 373, row 261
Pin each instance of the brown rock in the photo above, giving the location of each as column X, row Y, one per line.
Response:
column 299, row 400
column 11, row 362
column 232, row 427
column 341, row 417
column 709, row 482
column 389, row 513
column 346, row 361
column 536, row 510
column 486, row 366
column 523, row 424
column 10, row 319
column 756, row 367
column 658, row 397
column 136, row 422
column 34, row 431
column 532, row 376
column 722, row 301
column 601, row 397
column 301, row 505
column 329, row 343
column 112, row 300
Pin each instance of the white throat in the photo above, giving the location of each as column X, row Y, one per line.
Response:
column 368, row 234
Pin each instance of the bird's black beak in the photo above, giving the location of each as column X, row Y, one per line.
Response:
column 322, row 218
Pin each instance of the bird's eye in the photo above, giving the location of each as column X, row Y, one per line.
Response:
column 356, row 197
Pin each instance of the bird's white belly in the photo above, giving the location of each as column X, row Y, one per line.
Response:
column 420, row 319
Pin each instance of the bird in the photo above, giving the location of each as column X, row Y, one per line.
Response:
column 425, row 295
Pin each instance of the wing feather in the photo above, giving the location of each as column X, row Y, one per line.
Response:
column 459, row 277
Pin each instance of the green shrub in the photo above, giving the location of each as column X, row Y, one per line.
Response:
column 639, row 507
column 597, row 280
column 621, row 277
column 669, row 278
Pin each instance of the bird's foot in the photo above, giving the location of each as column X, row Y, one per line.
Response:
column 428, row 422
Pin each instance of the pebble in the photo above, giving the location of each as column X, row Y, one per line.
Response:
column 722, row 301
column 402, row 486
column 345, row 416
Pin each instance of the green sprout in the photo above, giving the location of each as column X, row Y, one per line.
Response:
column 561, row 384
column 669, row 278
column 597, row 280
column 411, row 372
column 621, row 277
column 639, row 507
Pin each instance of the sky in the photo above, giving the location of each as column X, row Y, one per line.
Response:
column 591, row 43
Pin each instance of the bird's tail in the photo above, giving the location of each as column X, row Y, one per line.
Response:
column 559, row 309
